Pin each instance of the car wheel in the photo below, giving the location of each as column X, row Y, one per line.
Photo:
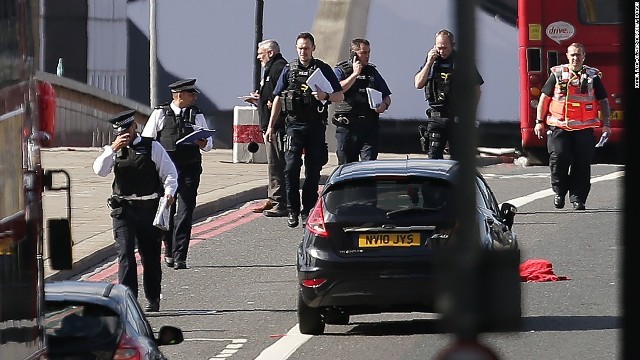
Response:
column 336, row 317
column 309, row 319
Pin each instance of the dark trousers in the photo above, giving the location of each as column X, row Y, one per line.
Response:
column 176, row 239
column 570, row 156
column 276, row 162
column 134, row 226
column 440, row 131
column 311, row 139
column 358, row 140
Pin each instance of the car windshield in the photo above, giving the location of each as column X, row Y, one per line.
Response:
column 388, row 195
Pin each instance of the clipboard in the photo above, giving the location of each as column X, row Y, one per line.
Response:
column 196, row 135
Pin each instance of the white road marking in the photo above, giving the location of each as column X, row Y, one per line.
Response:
column 548, row 192
column 286, row 346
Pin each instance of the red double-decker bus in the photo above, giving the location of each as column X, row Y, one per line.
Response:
column 27, row 109
column 545, row 29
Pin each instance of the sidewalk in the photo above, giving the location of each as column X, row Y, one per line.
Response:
column 223, row 185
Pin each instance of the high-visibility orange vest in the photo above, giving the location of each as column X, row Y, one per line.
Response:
column 574, row 105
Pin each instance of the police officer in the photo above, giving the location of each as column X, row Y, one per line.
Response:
column 143, row 172
column 306, row 123
column 357, row 123
column 436, row 77
column 272, row 63
column 168, row 123
column 569, row 104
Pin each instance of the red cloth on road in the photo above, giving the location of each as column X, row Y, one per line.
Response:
column 538, row 270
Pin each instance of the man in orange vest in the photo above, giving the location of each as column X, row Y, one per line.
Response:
column 572, row 101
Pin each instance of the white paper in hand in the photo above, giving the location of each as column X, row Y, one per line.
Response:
column 375, row 98
column 161, row 221
column 318, row 80
column 603, row 140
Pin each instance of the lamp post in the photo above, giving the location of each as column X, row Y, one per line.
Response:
column 153, row 59
column 256, row 63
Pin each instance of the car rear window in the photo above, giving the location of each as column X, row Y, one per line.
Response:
column 68, row 323
column 388, row 194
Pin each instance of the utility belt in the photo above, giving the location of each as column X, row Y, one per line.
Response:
column 297, row 102
column 345, row 120
column 138, row 202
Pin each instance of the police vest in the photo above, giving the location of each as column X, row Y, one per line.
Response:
column 574, row 105
column 298, row 102
column 176, row 127
column 439, row 83
column 135, row 172
column 356, row 101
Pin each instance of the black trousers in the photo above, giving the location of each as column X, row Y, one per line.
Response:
column 309, row 138
column 358, row 140
column 440, row 131
column 176, row 239
column 133, row 225
column 570, row 156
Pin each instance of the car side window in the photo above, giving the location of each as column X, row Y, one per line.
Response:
column 135, row 317
column 486, row 196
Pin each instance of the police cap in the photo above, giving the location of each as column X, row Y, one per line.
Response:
column 122, row 121
column 184, row 85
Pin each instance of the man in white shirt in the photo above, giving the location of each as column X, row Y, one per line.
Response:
column 168, row 123
column 143, row 172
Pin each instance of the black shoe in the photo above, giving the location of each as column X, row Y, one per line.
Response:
column 153, row 306
column 292, row 221
column 168, row 261
column 180, row 265
column 577, row 205
column 303, row 218
column 275, row 213
column 558, row 201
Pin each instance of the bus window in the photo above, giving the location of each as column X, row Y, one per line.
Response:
column 552, row 58
column 534, row 60
column 594, row 12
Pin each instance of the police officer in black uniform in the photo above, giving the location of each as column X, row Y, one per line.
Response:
column 143, row 172
column 168, row 123
column 436, row 77
column 306, row 123
column 357, row 123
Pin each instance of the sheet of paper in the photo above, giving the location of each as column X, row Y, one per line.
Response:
column 197, row 134
column 318, row 80
column 375, row 98
column 603, row 140
column 161, row 221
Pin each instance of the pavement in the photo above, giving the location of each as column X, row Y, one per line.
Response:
column 223, row 186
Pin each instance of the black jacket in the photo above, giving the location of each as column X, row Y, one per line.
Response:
column 270, row 77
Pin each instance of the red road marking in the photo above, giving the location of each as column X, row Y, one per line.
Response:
column 198, row 234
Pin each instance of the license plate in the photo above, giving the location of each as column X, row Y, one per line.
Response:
column 389, row 240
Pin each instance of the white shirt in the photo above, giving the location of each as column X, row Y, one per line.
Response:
column 103, row 165
column 156, row 123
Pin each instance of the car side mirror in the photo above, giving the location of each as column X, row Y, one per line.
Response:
column 60, row 244
column 169, row 335
column 508, row 212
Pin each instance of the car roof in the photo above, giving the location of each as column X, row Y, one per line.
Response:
column 434, row 168
column 96, row 292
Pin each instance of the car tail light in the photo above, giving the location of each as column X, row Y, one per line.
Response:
column 127, row 349
column 315, row 221
column 313, row 282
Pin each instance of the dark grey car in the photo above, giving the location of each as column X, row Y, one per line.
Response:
column 372, row 240
column 100, row 320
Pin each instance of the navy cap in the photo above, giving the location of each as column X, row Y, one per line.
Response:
column 123, row 120
column 184, row 85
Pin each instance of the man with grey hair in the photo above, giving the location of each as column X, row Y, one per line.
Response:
column 272, row 63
